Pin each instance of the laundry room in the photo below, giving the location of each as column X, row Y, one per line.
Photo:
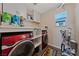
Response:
column 39, row 29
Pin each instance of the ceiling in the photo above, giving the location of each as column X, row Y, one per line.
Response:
column 42, row 7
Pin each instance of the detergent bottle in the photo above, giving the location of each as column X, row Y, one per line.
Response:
column 22, row 20
column 6, row 18
column 15, row 20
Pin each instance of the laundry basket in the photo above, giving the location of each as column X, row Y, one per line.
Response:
column 24, row 48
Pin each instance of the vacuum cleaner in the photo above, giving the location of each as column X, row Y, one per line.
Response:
column 67, row 44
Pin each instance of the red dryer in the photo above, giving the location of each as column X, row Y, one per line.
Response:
column 17, row 42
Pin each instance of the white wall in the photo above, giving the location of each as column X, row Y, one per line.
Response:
column 77, row 25
column 13, row 7
column 48, row 19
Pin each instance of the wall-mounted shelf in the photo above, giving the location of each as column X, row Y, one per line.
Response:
column 17, row 27
column 11, row 28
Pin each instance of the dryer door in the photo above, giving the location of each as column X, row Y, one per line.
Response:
column 24, row 48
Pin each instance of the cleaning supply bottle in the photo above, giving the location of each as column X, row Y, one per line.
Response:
column 15, row 20
column 6, row 18
column 22, row 19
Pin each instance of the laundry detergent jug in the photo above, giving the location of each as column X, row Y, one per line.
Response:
column 15, row 20
column 6, row 18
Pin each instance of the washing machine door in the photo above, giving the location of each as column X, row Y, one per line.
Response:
column 24, row 48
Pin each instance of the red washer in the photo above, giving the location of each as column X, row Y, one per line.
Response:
column 9, row 42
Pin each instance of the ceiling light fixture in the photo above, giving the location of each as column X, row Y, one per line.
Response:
column 60, row 5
